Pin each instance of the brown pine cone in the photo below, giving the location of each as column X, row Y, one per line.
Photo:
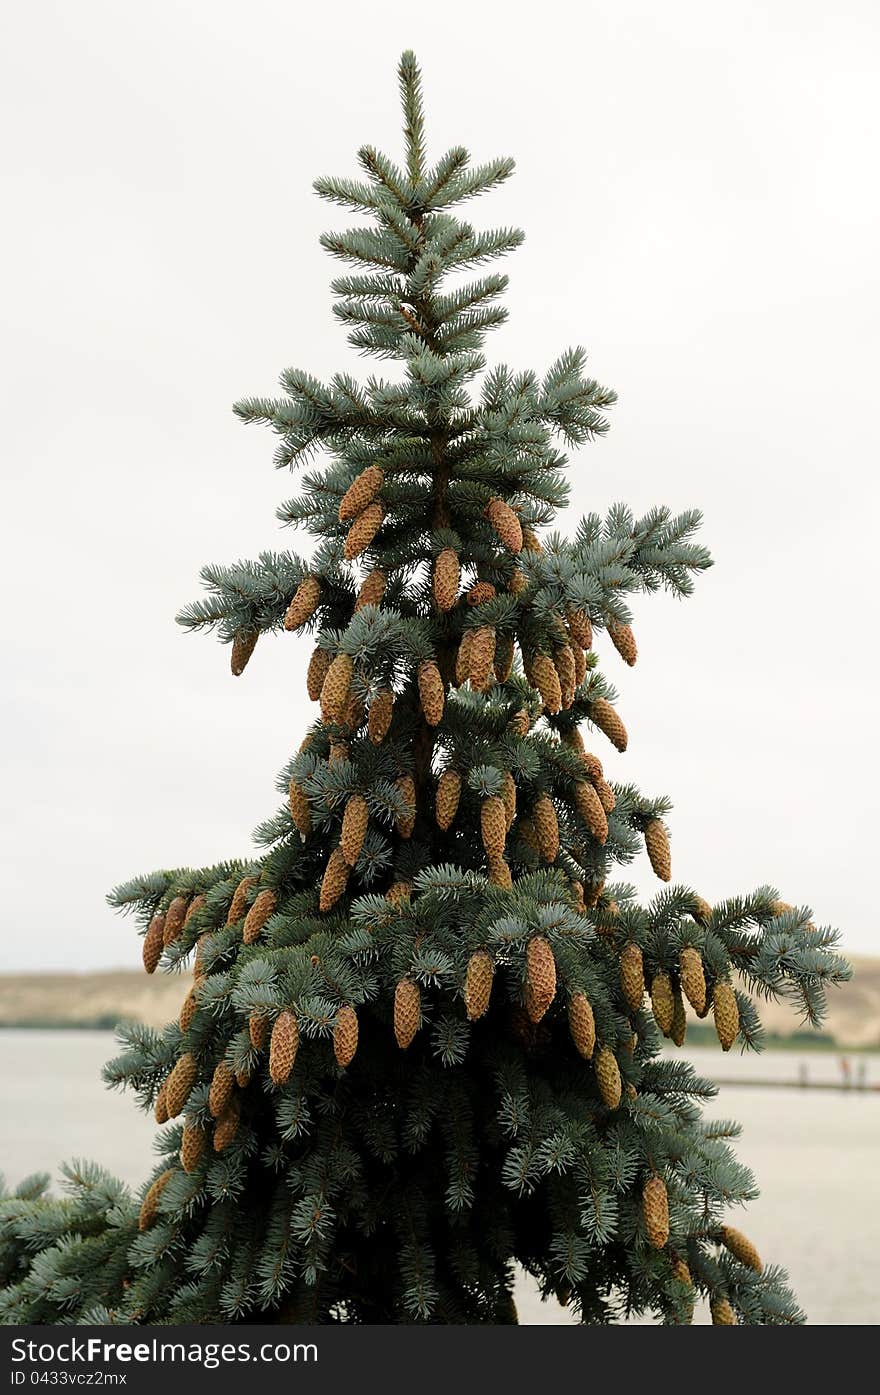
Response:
column 283, row 1047
column 447, row 797
column 334, row 881
column 431, row 692
column 606, row 795
column 407, row 1012
column 499, row 873
column 372, row 589
column 564, row 661
column 191, row 1146
column 655, row 1209
column 608, row 1078
column 509, row 797
column 336, row 688
column 399, row 891
column 354, row 827
column 527, row 834
column 238, row 904
column 226, row 1127
column 521, row 723
column 446, row 579
column 338, row 752
column 493, row 826
column 518, row 582
column 222, row 1085
column 243, row 645
column 300, row 809
column 580, row 664
column 174, row 919
column 265, row 905
column 693, row 978
column 544, row 677
column 592, row 893
column 531, row 541
column 463, row 658
column 196, row 904
column 726, row 1012
column 304, row 603
column 150, row 1203
column 481, row 658
column 361, row 492
column 506, row 524
column 478, row 984
column 581, row 1024
column 405, row 823
column 624, row 642
column 180, row 1083
column 540, row 976
column 579, row 627
column 657, row 844
column 607, row 720
column 481, row 592
column 363, row 530
column 662, row 1002
column 678, row 1030
column 160, row 1107
column 741, row 1248
column 503, row 664
column 589, row 806
column 153, row 943
column 316, row 673
column 345, row 1035
column 187, row 1010
column 632, row 975
column 700, row 910
column 381, row 712
column 722, row 1313
column 546, row 827
column 258, row 1030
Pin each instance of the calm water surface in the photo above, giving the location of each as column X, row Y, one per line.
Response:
column 815, row 1154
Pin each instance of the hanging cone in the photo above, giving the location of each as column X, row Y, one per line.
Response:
column 354, row 827
column 300, row 809
column 283, row 1047
column 258, row 1030
column 503, row 664
column 226, row 1127
column 360, row 493
column 678, row 1030
column 199, row 957
column 624, row 642
column 363, row 530
column 608, row 1078
column 722, row 1313
column 579, row 627
column 338, row 752
column 540, row 976
column 726, row 1011
column 531, row 541
column 187, row 1010
column 580, row 664
column 544, row 677
column 481, row 657
column 606, row 719
column 579, row 903
column 399, row 891
column 493, row 826
column 196, row 904
column 345, row 1035
column 334, row 881
column 741, row 1248
column 527, row 834
column 662, row 1002
column 238, row 904
column 265, row 905
column 191, row 1146
column 463, row 658
column 336, row 688
column 372, row 589
column 581, row 1024
column 153, row 943
column 431, row 693
column 606, row 795
column 150, row 1204
column 700, row 910
column 447, row 797
column 655, row 1209
column 478, row 984
column 407, row 1012
column 521, row 723
column 316, row 673
column 481, row 592
column 242, row 1079
column 243, row 645
column 405, row 823
column 632, row 975
column 681, row 1272
column 592, row 892
column 509, row 797
column 304, row 603
column 353, row 716
column 174, row 920
column 564, row 661
column 518, row 582
column 657, row 844
column 499, row 873
column 160, row 1108
column 693, row 978
column 180, row 1083
column 589, row 806
column 546, row 828
column 446, row 579
column 381, row 712
column 506, row 524
column 222, row 1085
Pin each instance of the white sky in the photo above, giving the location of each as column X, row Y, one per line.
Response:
column 698, row 185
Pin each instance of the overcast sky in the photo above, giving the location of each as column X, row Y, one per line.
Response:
column 698, row 185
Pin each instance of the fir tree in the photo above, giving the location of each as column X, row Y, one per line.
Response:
column 422, row 1038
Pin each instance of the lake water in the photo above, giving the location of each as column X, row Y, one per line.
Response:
column 815, row 1154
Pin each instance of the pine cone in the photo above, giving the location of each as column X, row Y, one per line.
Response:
column 338, row 751
column 606, row 719
column 531, row 541
column 153, row 943
column 527, row 834
column 399, row 891
column 242, row 1078
column 407, row 1012
column 606, row 795
column 589, row 806
column 150, row 1203
column 180, row 1083
column 624, row 642
column 265, row 905
column 334, row 881
column 316, row 673
column 238, row 904
column 693, row 978
column 503, row 665
column 226, row 1127
column 678, row 1030
column 608, row 1078
column 196, row 904
column 521, row 723
column 361, row 492
column 447, row 797
column 481, row 657
column 581, row 1024
column 160, row 1107
column 662, row 1002
column 372, row 589
column 431, row 692
column 187, row 1010
column 191, row 1146
column 354, row 827
column 632, row 975
column 701, row 910
column 564, row 661
column 493, row 826
column 726, row 1014
column 592, row 894
column 540, row 976
column 304, row 603
column 722, row 1313
column 258, row 1030
column 345, row 1035
column 580, row 627
column 546, row 827
column 478, row 984
column 220, row 1093
column 283, row 1047
column 353, row 716
column 518, row 582
column 506, row 524
column 446, row 579
column 481, row 592
column 580, row 664
column 463, row 658
column 741, row 1248
column 655, row 1209
column 243, row 645
column 657, row 844
column 545, row 678
column 363, row 530
column 405, row 823
column 499, row 873
column 681, row 1272
column 300, row 809
column 381, row 712
column 336, row 688
column 174, row 919
column 509, row 797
